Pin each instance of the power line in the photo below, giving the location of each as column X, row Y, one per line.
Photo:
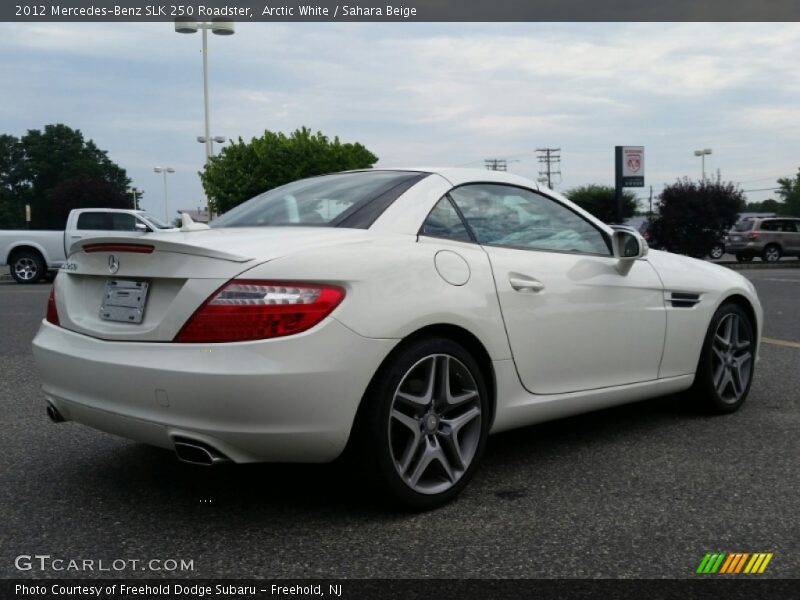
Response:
column 496, row 164
column 549, row 158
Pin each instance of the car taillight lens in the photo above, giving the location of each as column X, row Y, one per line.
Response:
column 753, row 235
column 255, row 310
column 52, row 311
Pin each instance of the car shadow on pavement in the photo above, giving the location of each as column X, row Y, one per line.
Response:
column 136, row 474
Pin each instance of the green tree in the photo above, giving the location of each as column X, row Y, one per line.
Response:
column 765, row 206
column 692, row 216
column 789, row 191
column 244, row 169
column 12, row 198
column 58, row 154
column 600, row 200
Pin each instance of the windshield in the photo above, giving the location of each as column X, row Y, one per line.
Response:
column 326, row 201
column 743, row 226
column 152, row 219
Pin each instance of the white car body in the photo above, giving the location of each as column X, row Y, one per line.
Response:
column 594, row 337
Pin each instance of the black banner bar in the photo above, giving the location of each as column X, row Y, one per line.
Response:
column 749, row 587
column 401, row 10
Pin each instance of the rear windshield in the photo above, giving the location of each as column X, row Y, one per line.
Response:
column 339, row 200
column 743, row 226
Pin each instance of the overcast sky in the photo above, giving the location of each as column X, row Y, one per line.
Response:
column 421, row 94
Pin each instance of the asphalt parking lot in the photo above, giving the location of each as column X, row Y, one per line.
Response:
column 638, row 491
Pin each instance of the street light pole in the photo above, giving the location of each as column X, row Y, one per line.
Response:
column 165, row 170
column 218, row 27
column 702, row 154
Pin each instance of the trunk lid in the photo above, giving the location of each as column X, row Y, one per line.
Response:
column 179, row 270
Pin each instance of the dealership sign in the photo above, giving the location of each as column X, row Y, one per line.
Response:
column 632, row 166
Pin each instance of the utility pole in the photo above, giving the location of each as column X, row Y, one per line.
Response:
column 496, row 164
column 550, row 159
column 650, row 211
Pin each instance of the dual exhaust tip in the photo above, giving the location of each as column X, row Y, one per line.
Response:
column 198, row 453
column 188, row 451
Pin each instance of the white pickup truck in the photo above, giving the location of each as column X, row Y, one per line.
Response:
column 31, row 254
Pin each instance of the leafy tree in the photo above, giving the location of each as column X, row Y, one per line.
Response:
column 600, row 200
column 765, row 206
column 692, row 216
column 42, row 166
column 245, row 169
column 789, row 191
column 12, row 205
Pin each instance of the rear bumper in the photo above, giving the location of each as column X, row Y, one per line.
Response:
column 289, row 399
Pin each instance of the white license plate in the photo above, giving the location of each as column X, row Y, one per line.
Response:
column 124, row 301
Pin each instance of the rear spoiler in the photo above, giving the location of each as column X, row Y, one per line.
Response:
column 147, row 245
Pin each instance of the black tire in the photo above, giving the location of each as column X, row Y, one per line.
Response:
column 772, row 253
column 706, row 387
column 743, row 258
column 376, row 446
column 27, row 266
column 717, row 251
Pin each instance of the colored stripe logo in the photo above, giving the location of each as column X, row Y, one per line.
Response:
column 728, row 563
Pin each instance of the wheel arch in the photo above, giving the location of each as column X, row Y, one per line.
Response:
column 27, row 246
column 745, row 304
column 458, row 334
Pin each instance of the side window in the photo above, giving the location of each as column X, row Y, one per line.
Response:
column 123, row 222
column 770, row 226
column 443, row 222
column 93, row 221
column 503, row 215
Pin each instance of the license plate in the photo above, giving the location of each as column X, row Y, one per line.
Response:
column 736, row 238
column 124, row 301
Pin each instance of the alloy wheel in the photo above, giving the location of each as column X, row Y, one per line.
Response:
column 772, row 254
column 26, row 269
column 435, row 424
column 732, row 358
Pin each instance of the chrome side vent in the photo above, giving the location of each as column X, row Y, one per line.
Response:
column 683, row 299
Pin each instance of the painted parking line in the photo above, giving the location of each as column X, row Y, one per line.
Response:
column 785, row 343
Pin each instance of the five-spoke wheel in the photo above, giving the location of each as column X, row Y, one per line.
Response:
column 425, row 422
column 725, row 370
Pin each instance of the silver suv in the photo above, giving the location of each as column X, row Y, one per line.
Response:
column 770, row 238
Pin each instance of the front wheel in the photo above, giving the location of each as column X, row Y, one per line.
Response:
column 425, row 423
column 725, row 369
column 772, row 253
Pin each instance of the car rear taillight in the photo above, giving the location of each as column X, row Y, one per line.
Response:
column 255, row 310
column 753, row 235
column 52, row 311
column 135, row 248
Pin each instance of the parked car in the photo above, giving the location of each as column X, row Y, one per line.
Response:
column 31, row 254
column 714, row 252
column 770, row 238
column 401, row 314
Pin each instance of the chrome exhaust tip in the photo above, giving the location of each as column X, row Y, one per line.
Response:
column 55, row 416
column 198, row 453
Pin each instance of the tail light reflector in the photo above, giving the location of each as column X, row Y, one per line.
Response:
column 52, row 311
column 243, row 310
column 753, row 235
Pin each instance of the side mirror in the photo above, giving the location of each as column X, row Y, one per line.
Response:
column 628, row 246
column 141, row 227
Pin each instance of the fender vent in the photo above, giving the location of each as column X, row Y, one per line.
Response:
column 683, row 299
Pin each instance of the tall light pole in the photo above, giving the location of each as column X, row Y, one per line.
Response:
column 219, row 27
column 702, row 154
column 135, row 192
column 165, row 170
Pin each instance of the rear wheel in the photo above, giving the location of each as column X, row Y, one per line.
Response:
column 426, row 422
column 27, row 266
column 716, row 252
column 772, row 253
column 725, row 369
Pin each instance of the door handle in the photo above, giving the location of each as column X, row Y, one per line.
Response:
column 525, row 284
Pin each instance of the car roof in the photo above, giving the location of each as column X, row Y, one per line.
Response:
column 460, row 175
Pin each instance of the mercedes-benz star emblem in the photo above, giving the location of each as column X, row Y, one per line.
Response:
column 113, row 263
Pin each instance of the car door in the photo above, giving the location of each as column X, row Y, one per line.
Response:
column 791, row 237
column 574, row 322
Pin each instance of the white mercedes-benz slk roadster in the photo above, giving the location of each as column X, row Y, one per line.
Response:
column 402, row 313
